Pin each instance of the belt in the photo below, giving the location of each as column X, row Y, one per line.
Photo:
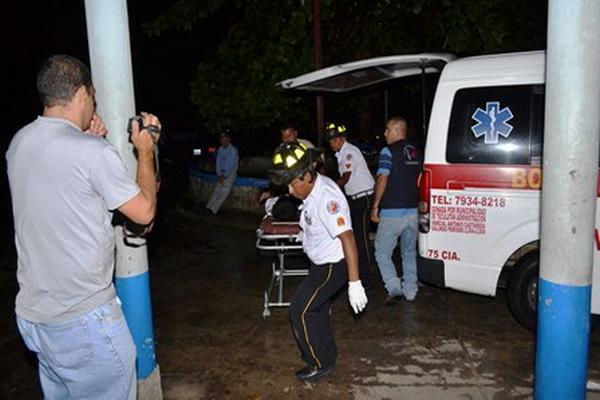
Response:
column 327, row 264
column 361, row 194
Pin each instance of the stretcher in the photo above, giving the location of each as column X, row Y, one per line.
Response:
column 283, row 238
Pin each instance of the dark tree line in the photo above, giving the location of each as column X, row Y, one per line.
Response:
column 271, row 40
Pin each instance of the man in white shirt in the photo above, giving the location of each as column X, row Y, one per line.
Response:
column 358, row 184
column 330, row 245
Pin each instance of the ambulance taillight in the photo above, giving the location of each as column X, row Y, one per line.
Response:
column 424, row 200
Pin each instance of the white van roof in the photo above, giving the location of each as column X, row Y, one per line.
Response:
column 357, row 74
column 524, row 66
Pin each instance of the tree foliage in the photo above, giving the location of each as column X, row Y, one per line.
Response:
column 361, row 29
column 271, row 40
column 183, row 15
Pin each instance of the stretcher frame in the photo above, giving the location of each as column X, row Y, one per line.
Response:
column 281, row 244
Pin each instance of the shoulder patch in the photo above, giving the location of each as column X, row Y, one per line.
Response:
column 341, row 221
column 333, row 207
column 348, row 156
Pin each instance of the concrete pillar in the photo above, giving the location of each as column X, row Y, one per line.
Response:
column 110, row 58
column 572, row 125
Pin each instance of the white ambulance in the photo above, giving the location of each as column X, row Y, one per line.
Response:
column 479, row 192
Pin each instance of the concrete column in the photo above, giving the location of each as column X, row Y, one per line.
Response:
column 110, row 58
column 572, row 125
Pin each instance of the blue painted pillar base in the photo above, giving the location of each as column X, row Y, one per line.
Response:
column 134, row 292
column 562, row 341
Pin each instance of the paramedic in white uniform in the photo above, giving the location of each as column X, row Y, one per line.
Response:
column 330, row 245
column 358, row 184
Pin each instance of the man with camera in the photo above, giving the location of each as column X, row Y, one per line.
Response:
column 65, row 181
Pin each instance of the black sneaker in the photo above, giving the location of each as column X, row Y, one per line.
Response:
column 393, row 299
column 310, row 373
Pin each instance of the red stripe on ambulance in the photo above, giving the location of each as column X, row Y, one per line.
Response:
column 492, row 176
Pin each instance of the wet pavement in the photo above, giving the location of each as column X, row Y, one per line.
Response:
column 212, row 342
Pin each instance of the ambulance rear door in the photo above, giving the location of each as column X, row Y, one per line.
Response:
column 358, row 74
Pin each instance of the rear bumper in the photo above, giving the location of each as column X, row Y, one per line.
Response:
column 431, row 271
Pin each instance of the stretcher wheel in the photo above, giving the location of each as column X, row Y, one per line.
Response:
column 266, row 312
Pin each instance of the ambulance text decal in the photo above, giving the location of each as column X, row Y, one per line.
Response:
column 462, row 213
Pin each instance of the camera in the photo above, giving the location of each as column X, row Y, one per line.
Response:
column 153, row 130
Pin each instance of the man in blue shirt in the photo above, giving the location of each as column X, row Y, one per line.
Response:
column 226, row 170
column 395, row 210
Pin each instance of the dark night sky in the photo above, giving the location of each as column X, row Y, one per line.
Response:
column 34, row 30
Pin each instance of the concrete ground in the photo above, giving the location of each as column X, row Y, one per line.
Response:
column 212, row 342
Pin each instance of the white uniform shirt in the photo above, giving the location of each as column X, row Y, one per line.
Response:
column 306, row 142
column 325, row 215
column 350, row 159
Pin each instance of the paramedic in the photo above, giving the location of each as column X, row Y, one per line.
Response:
column 64, row 180
column 395, row 210
column 357, row 182
column 289, row 134
column 329, row 244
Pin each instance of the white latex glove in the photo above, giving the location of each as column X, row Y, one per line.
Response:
column 357, row 296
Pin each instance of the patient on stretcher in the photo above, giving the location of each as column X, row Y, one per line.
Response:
column 282, row 216
column 284, row 208
column 280, row 233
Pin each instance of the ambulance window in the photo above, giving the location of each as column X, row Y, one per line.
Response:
column 491, row 125
column 537, row 119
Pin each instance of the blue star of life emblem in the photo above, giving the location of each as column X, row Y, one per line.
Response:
column 492, row 122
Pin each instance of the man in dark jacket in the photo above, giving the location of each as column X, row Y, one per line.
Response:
column 395, row 210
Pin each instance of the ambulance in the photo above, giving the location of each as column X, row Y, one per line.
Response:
column 479, row 191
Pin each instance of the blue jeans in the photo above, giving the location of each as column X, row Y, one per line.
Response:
column 389, row 231
column 89, row 357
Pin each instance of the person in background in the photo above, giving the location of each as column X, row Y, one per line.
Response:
column 357, row 182
column 289, row 134
column 395, row 210
column 226, row 170
column 329, row 244
column 65, row 179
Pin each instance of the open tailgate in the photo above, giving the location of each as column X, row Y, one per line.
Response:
column 357, row 74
